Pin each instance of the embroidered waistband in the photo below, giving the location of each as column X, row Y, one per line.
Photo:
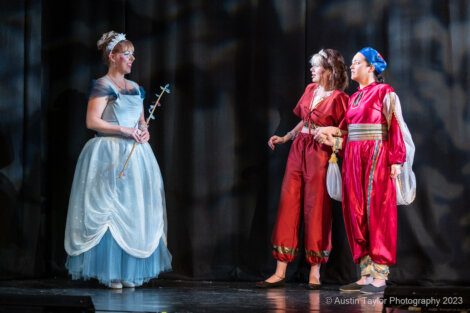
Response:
column 310, row 125
column 359, row 132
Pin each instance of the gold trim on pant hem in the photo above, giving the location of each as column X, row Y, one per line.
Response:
column 317, row 254
column 285, row 250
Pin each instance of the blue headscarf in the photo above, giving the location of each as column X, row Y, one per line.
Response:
column 374, row 58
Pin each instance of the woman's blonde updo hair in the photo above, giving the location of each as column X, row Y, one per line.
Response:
column 333, row 61
column 104, row 41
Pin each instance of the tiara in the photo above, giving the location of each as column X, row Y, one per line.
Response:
column 117, row 38
column 323, row 54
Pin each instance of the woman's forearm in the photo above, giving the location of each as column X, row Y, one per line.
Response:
column 101, row 126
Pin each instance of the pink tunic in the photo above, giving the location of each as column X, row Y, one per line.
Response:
column 369, row 199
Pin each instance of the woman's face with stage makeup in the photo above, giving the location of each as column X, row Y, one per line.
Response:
column 360, row 70
column 317, row 72
column 123, row 60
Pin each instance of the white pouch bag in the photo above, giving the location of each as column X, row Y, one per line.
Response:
column 333, row 178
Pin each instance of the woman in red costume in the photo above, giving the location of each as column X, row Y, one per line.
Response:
column 375, row 148
column 304, row 186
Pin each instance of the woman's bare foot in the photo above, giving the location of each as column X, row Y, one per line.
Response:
column 314, row 276
column 274, row 278
column 279, row 274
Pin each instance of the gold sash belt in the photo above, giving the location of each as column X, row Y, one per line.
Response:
column 359, row 132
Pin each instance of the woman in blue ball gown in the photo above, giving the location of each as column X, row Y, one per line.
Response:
column 116, row 226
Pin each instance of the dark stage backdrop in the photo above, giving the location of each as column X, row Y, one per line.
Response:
column 237, row 68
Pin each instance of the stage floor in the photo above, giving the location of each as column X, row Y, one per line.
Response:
column 205, row 296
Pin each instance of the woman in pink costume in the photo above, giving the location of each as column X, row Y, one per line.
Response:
column 377, row 145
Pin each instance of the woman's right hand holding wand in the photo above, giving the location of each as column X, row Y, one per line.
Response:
column 133, row 133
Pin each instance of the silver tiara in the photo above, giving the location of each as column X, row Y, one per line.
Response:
column 117, row 38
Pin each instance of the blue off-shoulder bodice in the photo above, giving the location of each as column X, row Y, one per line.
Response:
column 122, row 108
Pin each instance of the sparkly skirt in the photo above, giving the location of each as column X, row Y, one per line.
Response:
column 107, row 261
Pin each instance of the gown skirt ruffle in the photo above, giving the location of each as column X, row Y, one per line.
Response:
column 107, row 262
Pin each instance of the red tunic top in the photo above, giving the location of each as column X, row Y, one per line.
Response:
column 329, row 112
column 366, row 107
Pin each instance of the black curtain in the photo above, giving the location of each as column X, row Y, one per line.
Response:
column 236, row 70
column 22, row 172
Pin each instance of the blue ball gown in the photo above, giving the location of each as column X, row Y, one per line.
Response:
column 116, row 227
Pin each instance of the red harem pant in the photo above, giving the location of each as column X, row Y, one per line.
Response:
column 369, row 202
column 304, row 187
